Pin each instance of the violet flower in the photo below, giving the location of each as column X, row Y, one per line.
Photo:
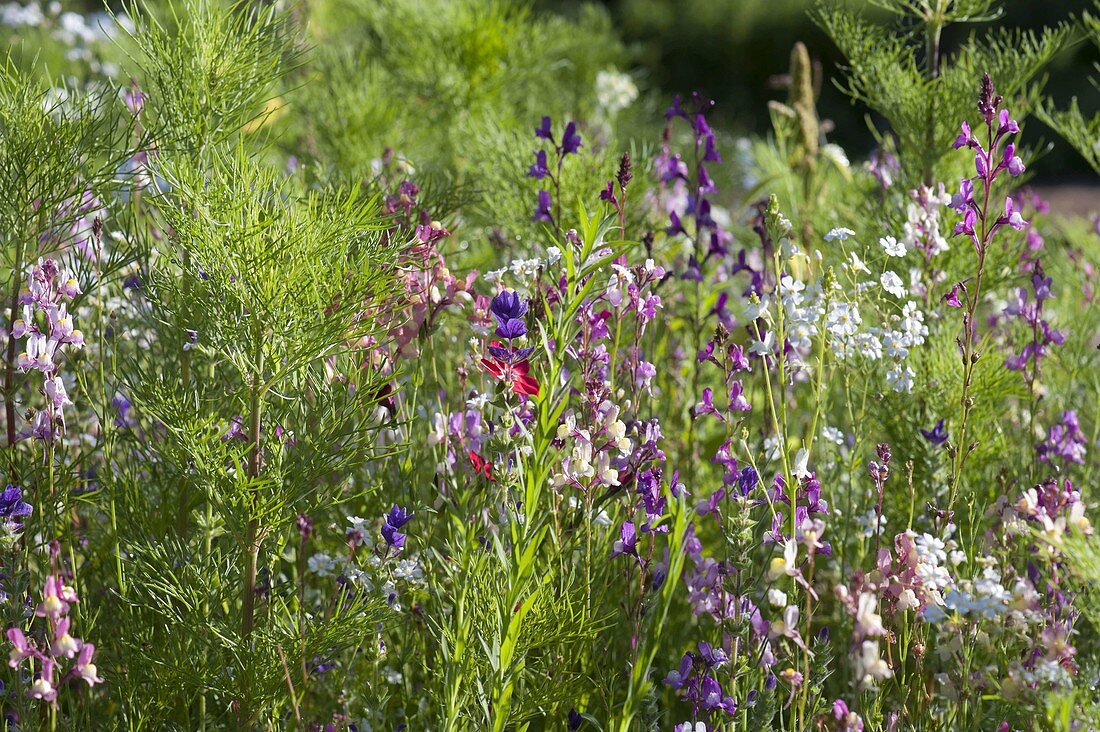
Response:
column 937, row 435
column 627, row 543
column 542, row 210
column 13, row 507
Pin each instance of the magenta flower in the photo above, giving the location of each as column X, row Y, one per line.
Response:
column 952, row 298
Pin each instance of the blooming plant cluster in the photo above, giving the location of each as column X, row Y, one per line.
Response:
column 638, row 429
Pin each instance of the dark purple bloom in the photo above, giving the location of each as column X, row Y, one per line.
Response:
column 675, row 226
column 543, row 130
column 122, row 404
column 398, row 516
column 12, row 505
column 676, row 110
column 608, row 194
column 674, row 167
column 713, row 697
column 508, row 305
column 575, row 720
column 627, row 543
column 570, row 140
column 714, row 657
column 937, row 435
column 510, row 329
column 539, row 170
column 510, row 355
column 542, row 210
column 748, row 479
column 393, row 537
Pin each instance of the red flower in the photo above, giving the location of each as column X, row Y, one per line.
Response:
column 514, row 374
column 482, row 466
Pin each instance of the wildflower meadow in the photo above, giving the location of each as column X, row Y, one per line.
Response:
column 425, row 365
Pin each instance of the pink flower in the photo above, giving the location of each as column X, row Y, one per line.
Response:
column 21, row 648
column 84, row 667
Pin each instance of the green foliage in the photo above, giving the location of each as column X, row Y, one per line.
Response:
column 1081, row 133
column 924, row 97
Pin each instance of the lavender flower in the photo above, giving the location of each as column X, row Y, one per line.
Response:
column 1065, row 441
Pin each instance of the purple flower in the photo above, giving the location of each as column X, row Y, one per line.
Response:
column 627, row 543
column 738, row 402
column 510, row 355
column 748, row 479
column 678, row 677
column 393, row 537
column 539, row 170
column 508, row 305
column 714, row 698
column 714, row 657
column 394, row 520
column 608, row 194
column 952, row 298
column 937, row 435
column 1065, row 440
column 543, row 130
column 122, row 404
column 510, row 329
column 12, row 505
column 509, row 308
column 575, row 720
column 1012, row 161
column 398, row 516
column 965, row 138
column 676, row 110
column 570, row 140
column 674, row 167
column 542, row 210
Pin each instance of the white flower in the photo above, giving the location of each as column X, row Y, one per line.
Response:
column 867, row 345
column 896, row 344
column 867, row 617
column 893, row 247
column 755, row 310
column 843, row 319
column 765, row 346
column 839, row 233
column 615, row 91
column 893, row 284
column 856, row 264
column 800, row 469
column 553, row 255
column 833, row 435
column 321, row 564
column 777, row 598
column 869, row 521
column 871, row 664
column 900, row 378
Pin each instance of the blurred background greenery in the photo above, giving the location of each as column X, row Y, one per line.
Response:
column 734, row 49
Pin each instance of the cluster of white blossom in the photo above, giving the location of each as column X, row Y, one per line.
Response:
column 524, row 269
column 615, row 91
